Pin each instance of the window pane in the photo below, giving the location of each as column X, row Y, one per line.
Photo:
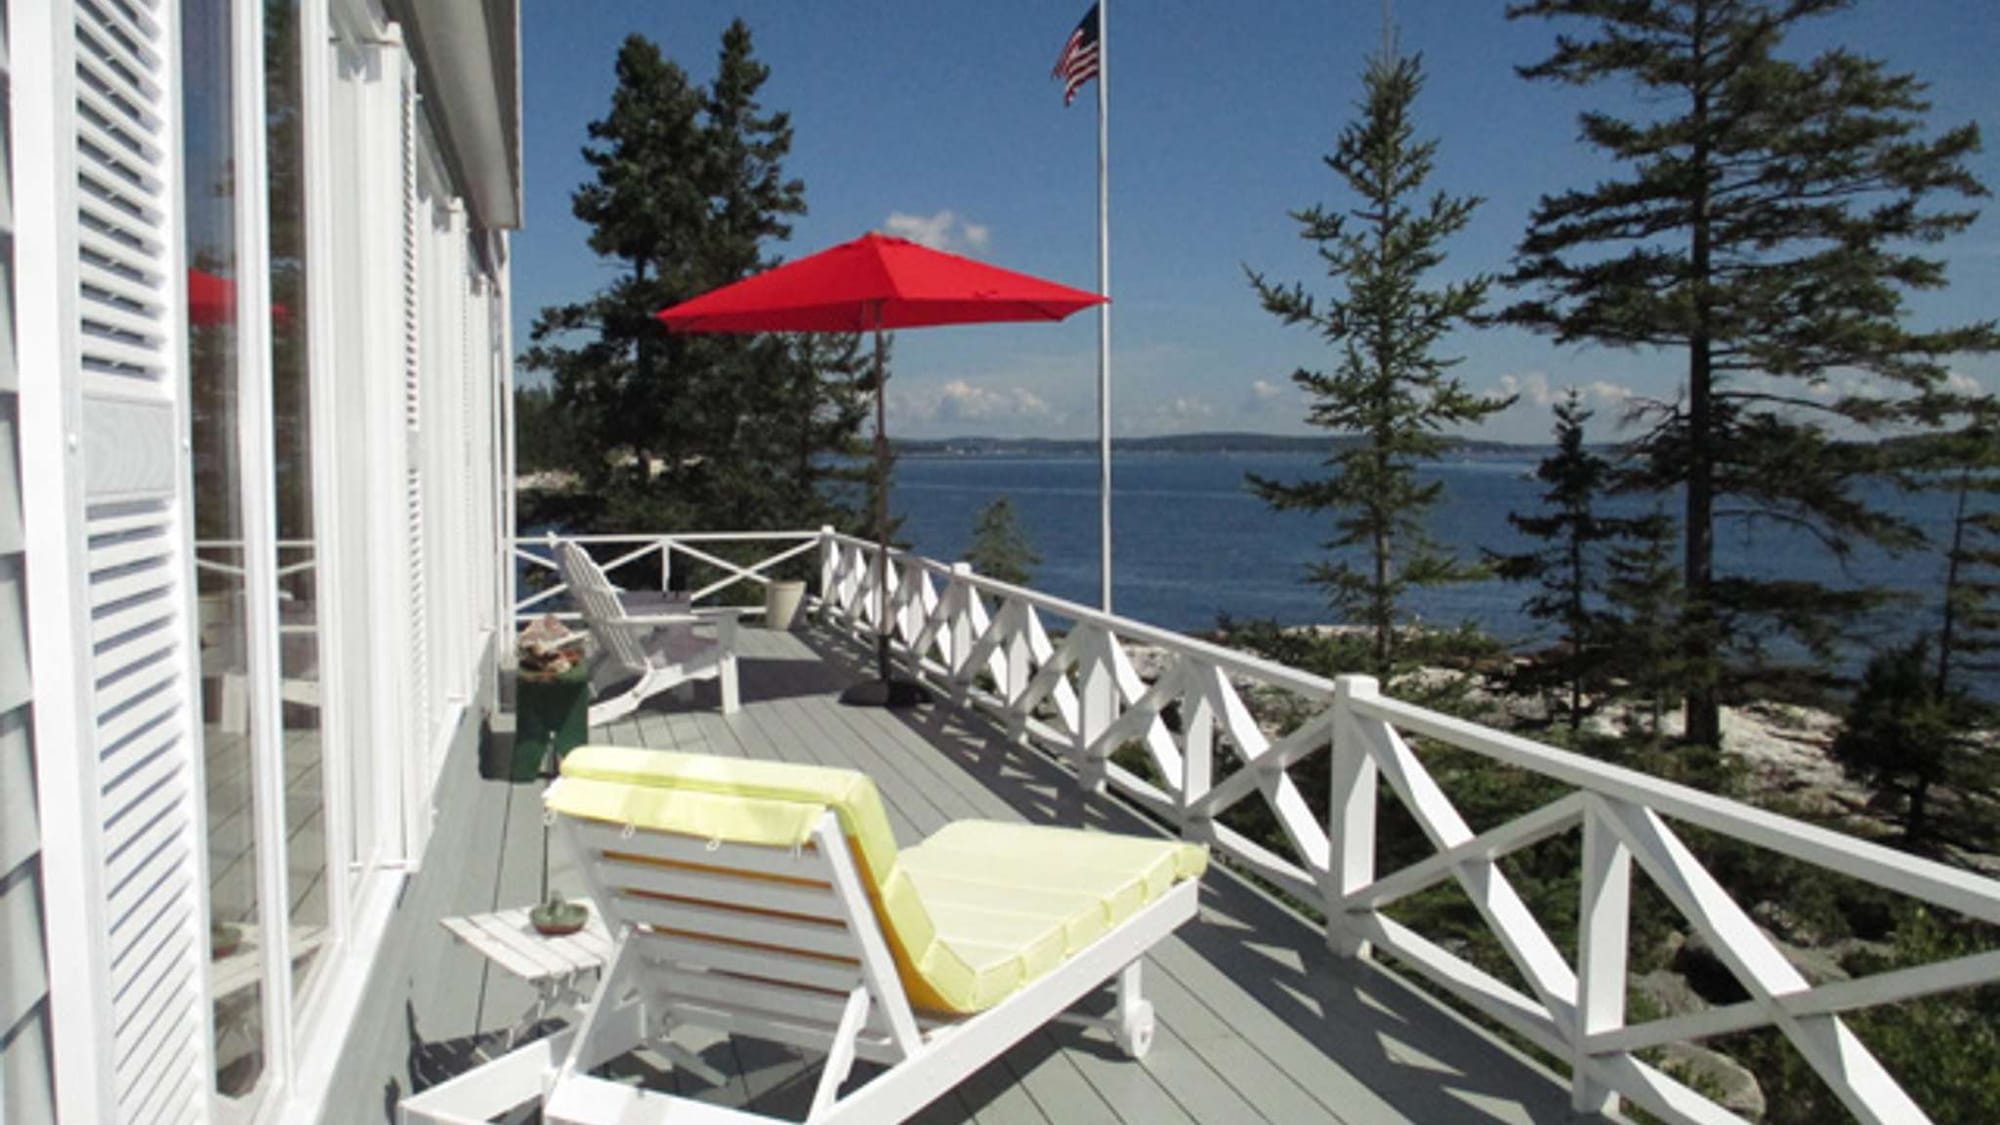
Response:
column 235, row 968
column 297, row 567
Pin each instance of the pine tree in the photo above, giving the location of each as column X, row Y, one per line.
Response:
column 1000, row 549
column 681, row 431
column 1569, row 568
column 1390, row 389
column 1966, row 464
column 1899, row 734
column 543, row 434
column 1641, row 637
column 1759, row 229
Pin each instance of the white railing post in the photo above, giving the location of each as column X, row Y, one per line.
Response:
column 958, row 612
column 1096, row 698
column 1603, row 921
column 1197, row 758
column 666, row 564
column 1018, row 647
column 829, row 568
column 910, row 616
column 1350, row 826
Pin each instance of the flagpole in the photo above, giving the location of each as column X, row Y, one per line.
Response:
column 1104, row 309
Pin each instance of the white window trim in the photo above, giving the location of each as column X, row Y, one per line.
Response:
column 322, row 334
column 257, row 460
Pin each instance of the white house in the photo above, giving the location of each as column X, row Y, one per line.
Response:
column 253, row 466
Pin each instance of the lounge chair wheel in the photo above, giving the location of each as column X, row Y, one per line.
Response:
column 1136, row 1037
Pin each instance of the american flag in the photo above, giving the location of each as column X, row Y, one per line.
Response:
column 1078, row 62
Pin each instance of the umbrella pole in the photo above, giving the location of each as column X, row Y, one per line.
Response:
column 884, row 690
column 881, row 508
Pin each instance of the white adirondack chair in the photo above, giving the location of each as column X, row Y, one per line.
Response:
column 655, row 652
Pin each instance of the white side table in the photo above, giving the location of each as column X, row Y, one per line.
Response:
column 555, row 966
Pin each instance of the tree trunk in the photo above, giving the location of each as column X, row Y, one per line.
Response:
column 1577, row 624
column 1385, row 389
column 1699, row 639
column 1385, row 614
column 1916, row 825
column 1949, row 625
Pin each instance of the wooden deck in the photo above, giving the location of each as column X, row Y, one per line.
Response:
column 1258, row 1021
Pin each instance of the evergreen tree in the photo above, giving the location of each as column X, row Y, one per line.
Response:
column 543, row 433
column 1760, row 229
column 1899, row 734
column 1640, row 629
column 1568, row 568
column 1000, row 548
column 719, row 432
column 1966, row 464
column 1390, row 389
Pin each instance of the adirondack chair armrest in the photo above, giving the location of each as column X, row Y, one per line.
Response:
column 726, row 619
column 653, row 620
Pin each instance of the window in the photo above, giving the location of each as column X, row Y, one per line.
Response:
column 295, row 560
column 222, row 554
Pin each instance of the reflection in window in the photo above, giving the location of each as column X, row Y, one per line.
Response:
column 236, row 934
column 297, row 566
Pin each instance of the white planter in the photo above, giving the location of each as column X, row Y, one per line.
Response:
column 781, row 603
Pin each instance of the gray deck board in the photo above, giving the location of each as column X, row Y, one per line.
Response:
column 1258, row 1022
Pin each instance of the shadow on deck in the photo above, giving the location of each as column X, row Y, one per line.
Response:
column 1259, row 1022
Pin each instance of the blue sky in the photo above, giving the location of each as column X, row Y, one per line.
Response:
column 939, row 121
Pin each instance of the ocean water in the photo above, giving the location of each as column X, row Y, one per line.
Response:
column 1189, row 541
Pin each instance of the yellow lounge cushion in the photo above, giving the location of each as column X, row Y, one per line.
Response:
column 1011, row 901
column 972, row 914
column 696, row 794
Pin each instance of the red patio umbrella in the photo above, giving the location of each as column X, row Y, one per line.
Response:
column 212, row 300
column 877, row 282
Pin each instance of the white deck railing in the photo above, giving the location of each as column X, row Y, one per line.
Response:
column 697, row 547
column 1078, row 696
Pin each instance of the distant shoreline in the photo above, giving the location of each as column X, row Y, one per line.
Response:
column 1222, row 442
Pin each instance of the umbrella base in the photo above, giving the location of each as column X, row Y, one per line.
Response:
column 893, row 694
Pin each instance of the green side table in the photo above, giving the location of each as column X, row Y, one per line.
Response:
column 551, row 718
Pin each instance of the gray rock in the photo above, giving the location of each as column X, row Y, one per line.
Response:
column 1715, row 981
column 1717, row 1076
column 1670, row 993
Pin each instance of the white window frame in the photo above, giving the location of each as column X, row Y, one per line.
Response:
column 354, row 221
column 323, row 331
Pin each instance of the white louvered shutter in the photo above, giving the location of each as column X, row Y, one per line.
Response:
column 112, row 574
column 417, row 713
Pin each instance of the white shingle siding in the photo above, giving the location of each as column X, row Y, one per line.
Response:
column 25, row 1077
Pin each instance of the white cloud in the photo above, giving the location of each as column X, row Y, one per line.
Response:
column 959, row 401
column 1535, row 389
column 1264, row 390
column 1185, row 408
column 1850, row 382
column 945, row 230
column 1959, row 383
column 1529, row 419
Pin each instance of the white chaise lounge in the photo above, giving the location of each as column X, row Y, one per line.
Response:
column 646, row 653
column 770, row 900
